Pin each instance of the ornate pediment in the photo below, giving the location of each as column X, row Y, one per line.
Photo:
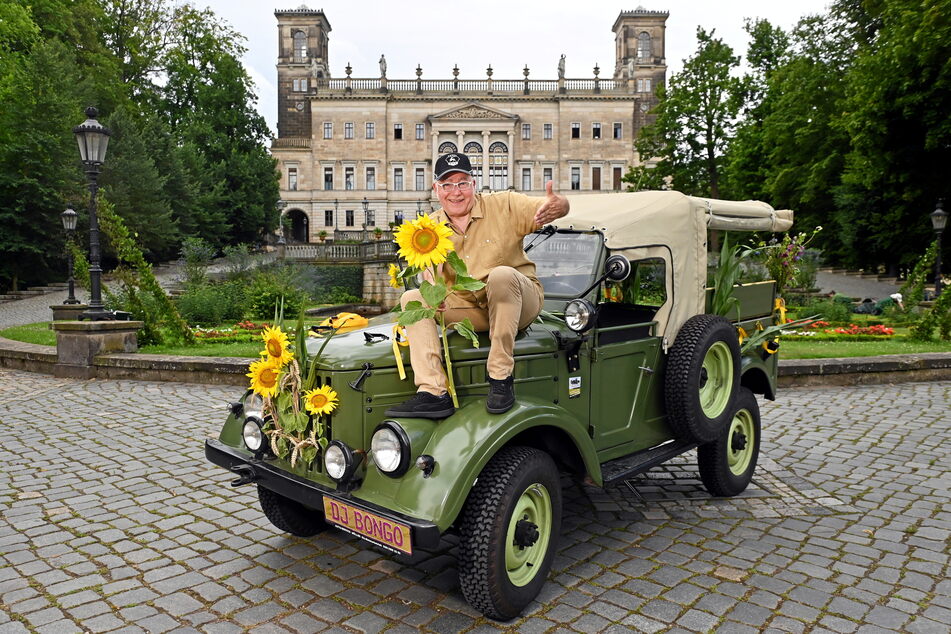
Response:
column 473, row 111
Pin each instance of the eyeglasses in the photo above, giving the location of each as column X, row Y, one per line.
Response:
column 462, row 186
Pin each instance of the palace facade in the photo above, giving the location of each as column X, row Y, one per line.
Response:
column 356, row 153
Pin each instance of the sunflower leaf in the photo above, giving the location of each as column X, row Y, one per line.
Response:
column 307, row 454
column 466, row 283
column 409, row 317
column 434, row 294
column 413, row 305
column 457, row 264
column 283, row 448
column 465, row 329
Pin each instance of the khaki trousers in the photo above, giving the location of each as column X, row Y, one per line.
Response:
column 513, row 300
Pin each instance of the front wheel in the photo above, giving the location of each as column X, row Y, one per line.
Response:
column 509, row 528
column 290, row 516
column 727, row 464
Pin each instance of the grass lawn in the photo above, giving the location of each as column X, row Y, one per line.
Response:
column 247, row 349
column 39, row 333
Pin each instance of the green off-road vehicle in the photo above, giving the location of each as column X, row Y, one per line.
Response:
column 624, row 370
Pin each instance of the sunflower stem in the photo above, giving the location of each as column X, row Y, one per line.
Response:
column 445, row 347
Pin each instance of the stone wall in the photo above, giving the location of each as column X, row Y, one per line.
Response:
column 376, row 285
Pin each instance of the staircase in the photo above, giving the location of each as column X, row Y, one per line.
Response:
column 33, row 291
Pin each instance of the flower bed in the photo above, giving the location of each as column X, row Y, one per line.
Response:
column 243, row 331
column 822, row 331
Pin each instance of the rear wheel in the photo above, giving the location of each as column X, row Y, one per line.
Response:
column 509, row 528
column 702, row 378
column 727, row 464
column 290, row 516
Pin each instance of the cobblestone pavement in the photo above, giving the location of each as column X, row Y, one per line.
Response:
column 854, row 286
column 110, row 519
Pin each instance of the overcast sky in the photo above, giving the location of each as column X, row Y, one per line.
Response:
column 508, row 34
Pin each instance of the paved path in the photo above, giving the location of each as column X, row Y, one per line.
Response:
column 854, row 286
column 110, row 519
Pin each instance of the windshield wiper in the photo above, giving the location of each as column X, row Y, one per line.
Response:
column 545, row 232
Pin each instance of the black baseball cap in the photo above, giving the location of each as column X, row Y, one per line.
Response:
column 452, row 162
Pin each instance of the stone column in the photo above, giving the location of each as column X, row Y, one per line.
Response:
column 486, row 167
column 460, row 141
column 435, row 135
column 78, row 343
column 511, row 154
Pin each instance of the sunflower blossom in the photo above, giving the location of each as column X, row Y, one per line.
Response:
column 424, row 242
column 265, row 377
column 323, row 400
column 394, row 273
column 276, row 345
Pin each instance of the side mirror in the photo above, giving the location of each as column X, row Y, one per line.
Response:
column 617, row 268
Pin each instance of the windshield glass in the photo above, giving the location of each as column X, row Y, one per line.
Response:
column 565, row 261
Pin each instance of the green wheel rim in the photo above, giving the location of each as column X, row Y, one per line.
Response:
column 741, row 442
column 523, row 563
column 715, row 391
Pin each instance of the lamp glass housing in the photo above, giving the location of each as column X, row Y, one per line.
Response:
column 69, row 218
column 939, row 219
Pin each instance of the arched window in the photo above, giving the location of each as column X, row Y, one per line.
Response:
column 644, row 45
column 474, row 151
column 447, row 148
column 498, row 166
column 300, row 44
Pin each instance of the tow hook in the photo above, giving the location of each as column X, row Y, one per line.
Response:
column 246, row 474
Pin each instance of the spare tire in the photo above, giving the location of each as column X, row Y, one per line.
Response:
column 702, row 378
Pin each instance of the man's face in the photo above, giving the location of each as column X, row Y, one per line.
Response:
column 455, row 202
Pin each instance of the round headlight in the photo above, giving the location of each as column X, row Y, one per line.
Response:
column 390, row 449
column 579, row 315
column 253, row 405
column 252, row 434
column 386, row 450
column 335, row 461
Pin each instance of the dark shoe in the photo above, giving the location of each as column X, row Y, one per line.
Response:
column 501, row 395
column 423, row 405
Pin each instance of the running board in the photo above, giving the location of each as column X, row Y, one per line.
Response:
column 643, row 460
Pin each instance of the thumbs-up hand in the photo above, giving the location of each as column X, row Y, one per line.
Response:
column 554, row 207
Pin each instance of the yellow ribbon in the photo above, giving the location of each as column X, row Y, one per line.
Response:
column 742, row 333
column 766, row 348
column 398, row 332
column 781, row 307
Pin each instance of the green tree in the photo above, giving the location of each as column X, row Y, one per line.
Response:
column 695, row 118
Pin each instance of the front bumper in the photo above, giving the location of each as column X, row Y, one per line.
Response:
column 424, row 534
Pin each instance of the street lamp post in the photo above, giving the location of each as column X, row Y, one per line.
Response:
column 366, row 216
column 69, row 218
column 939, row 220
column 93, row 140
column 336, row 204
column 419, row 208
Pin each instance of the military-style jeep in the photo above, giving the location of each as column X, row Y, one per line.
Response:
column 625, row 369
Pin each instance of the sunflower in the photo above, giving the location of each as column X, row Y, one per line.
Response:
column 275, row 345
column 265, row 377
column 323, row 400
column 394, row 274
column 424, row 242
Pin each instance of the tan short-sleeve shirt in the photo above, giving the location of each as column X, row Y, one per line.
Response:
column 497, row 224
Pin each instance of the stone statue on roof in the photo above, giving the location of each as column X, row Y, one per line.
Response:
column 382, row 66
column 561, row 67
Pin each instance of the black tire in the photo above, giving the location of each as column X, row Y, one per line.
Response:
column 706, row 349
column 290, row 516
column 727, row 464
column 514, row 478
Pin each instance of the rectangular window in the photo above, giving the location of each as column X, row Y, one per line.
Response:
column 526, row 131
column 420, row 179
column 547, row 131
column 300, row 85
column 398, row 179
column 397, row 130
column 575, row 130
column 526, row 179
column 576, row 178
column 371, row 218
column 546, row 176
column 618, row 131
column 595, row 130
column 371, row 178
column 371, row 130
column 292, row 178
column 596, row 178
column 328, row 217
column 420, row 131
column 349, row 216
column 348, row 178
column 616, row 179
column 643, row 85
column 328, row 178
column 328, row 130
column 348, row 130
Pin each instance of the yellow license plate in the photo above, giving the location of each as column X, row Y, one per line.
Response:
column 369, row 526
